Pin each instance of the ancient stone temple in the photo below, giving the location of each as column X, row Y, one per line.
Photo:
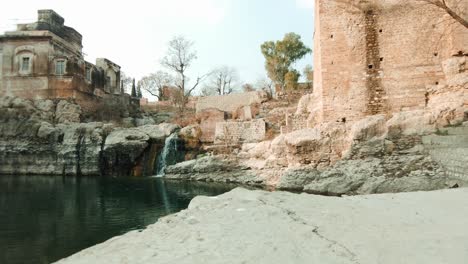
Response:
column 379, row 56
column 44, row 60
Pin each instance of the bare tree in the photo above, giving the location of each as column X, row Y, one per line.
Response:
column 125, row 82
column 455, row 8
column 180, row 56
column 223, row 80
column 265, row 85
column 247, row 87
column 155, row 83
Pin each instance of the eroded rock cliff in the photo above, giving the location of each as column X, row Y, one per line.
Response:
column 46, row 137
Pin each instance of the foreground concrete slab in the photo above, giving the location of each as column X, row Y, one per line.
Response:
column 261, row 227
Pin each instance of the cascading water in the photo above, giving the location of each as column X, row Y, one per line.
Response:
column 170, row 155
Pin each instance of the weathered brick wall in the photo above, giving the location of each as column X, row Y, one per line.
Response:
column 208, row 120
column 240, row 132
column 293, row 95
column 379, row 57
column 108, row 107
column 231, row 102
column 294, row 123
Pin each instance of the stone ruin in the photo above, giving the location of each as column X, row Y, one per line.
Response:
column 390, row 102
column 379, row 56
column 230, row 119
column 44, row 60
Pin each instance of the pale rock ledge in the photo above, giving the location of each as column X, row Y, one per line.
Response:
column 261, row 227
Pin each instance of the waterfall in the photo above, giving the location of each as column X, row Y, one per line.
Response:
column 170, row 155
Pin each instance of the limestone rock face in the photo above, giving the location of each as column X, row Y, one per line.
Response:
column 310, row 105
column 144, row 121
column 67, row 112
column 121, row 150
column 191, row 136
column 31, row 144
column 41, row 137
column 124, row 148
column 377, row 154
column 368, row 128
column 319, row 146
column 417, row 122
column 296, row 179
column 79, row 152
column 191, row 133
column 158, row 132
column 257, row 150
column 66, row 149
column 396, row 174
column 213, row 168
column 46, row 110
column 258, row 227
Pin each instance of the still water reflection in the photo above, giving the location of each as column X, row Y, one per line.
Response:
column 43, row 219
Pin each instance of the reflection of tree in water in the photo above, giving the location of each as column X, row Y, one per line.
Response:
column 43, row 219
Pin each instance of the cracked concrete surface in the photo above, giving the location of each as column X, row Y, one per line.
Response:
column 260, row 227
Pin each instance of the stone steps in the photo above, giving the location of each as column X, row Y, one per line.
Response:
column 463, row 130
column 450, row 151
column 436, row 141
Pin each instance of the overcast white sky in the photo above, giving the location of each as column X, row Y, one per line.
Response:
column 134, row 34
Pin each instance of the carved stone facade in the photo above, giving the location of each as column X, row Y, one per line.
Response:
column 44, row 60
column 379, row 56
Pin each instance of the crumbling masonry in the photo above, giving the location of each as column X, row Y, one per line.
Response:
column 379, row 56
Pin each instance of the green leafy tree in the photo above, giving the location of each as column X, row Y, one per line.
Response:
column 309, row 75
column 281, row 55
column 291, row 79
column 139, row 94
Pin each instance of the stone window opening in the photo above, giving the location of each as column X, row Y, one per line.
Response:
column 380, row 30
column 111, row 80
column 25, row 64
column 108, row 82
column 88, row 74
column 370, row 66
column 331, row 36
column 437, row 83
column 436, row 54
column 381, row 59
column 60, row 67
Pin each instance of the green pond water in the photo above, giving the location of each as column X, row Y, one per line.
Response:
column 46, row 218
